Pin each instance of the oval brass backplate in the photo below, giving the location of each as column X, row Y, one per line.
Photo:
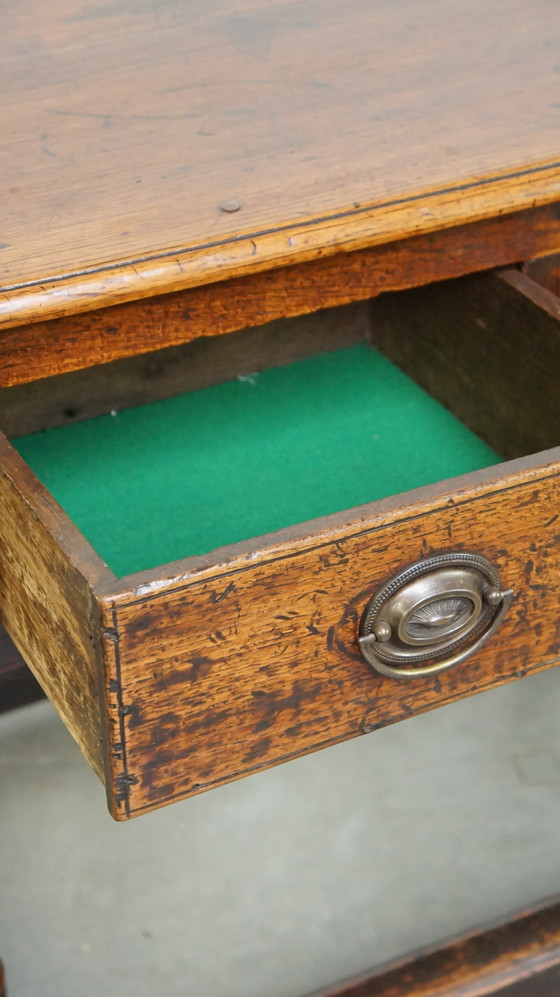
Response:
column 432, row 615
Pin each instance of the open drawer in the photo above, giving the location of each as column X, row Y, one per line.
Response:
column 177, row 678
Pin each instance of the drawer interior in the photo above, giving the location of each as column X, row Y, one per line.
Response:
column 212, row 467
column 279, row 443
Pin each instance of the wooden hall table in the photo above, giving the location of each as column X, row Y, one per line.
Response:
column 176, row 170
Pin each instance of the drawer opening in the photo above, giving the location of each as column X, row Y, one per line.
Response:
column 418, row 386
column 251, row 456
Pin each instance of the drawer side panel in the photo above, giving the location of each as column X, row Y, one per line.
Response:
column 258, row 663
column 46, row 603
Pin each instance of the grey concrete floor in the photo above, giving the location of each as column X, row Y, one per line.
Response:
column 287, row 880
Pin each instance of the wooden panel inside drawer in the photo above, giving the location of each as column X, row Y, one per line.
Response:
column 239, row 658
column 488, row 348
column 545, row 271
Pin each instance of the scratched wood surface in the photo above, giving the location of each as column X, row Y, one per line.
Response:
column 32, row 352
column 217, row 666
column 517, row 958
column 147, row 147
column 227, row 669
column 46, row 600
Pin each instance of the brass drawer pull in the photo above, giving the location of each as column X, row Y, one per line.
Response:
column 432, row 615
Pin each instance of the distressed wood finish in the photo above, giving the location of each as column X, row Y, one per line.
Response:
column 221, row 665
column 517, row 958
column 30, row 352
column 46, row 599
column 328, row 127
column 227, row 669
column 488, row 348
column 159, row 159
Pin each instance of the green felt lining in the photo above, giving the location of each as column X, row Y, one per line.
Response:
column 189, row 474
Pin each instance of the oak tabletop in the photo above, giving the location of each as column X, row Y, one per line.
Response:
column 153, row 145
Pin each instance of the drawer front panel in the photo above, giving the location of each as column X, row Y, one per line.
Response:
column 255, row 662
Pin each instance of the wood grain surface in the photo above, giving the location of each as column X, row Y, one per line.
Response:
column 221, row 665
column 488, row 348
column 146, row 147
column 32, row 351
column 517, row 958
column 231, row 667
column 82, row 394
column 46, row 599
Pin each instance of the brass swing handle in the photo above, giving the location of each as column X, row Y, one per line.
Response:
column 432, row 615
